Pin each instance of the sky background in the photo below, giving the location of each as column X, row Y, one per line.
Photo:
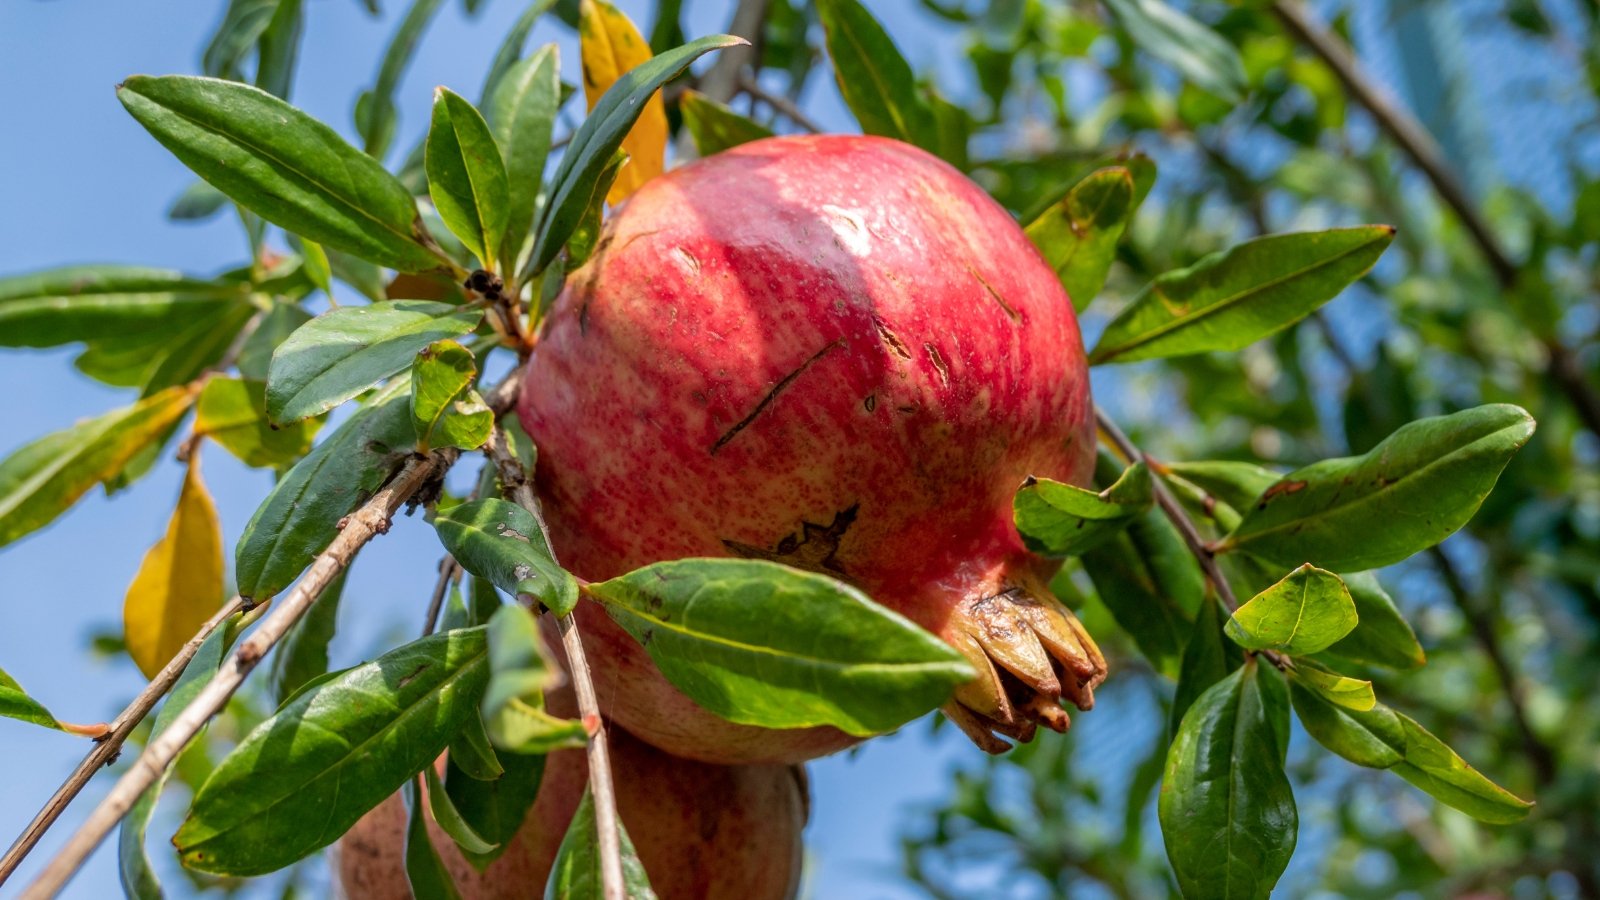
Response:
column 80, row 181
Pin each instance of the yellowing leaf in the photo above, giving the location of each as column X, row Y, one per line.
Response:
column 179, row 584
column 611, row 46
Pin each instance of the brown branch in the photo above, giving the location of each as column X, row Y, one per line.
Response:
column 108, row 747
column 514, row 481
column 449, row 569
column 782, row 104
column 721, row 81
column 1562, row 365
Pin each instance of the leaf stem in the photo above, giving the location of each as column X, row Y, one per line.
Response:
column 782, row 104
column 514, row 481
column 108, row 747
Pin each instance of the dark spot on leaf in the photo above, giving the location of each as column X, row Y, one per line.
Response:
column 421, row 667
column 1282, row 487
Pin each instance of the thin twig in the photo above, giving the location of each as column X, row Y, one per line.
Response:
column 721, row 81
column 448, row 570
column 1562, row 364
column 778, row 102
column 107, row 748
column 514, row 481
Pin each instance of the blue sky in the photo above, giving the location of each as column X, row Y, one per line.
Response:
column 82, row 182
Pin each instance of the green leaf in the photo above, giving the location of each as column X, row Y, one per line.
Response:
column 1059, row 520
column 281, row 164
column 302, row 655
column 133, row 863
column 471, row 750
column 1433, row 767
column 510, row 49
column 1200, row 55
column 495, row 809
column 1078, row 236
column 513, row 706
column 1408, row 493
column 1151, row 585
column 445, row 813
column 1353, row 693
column 89, row 303
column 240, row 29
column 1372, row 737
column 466, row 176
column 522, row 112
column 425, row 872
column 280, row 321
column 762, row 644
column 715, row 127
column 597, row 140
column 16, row 704
column 233, row 412
column 375, row 109
column 1238, row 484
column 1227, row 812
column 279, row 48
column 343, row 352
column 41, row 480
column 503, row 543
column 576, row 874
column 300, row 779
column 1231, row 299
column 876, row 81
column 1382, row 637
column 445, row 409
column 301, row 516
column 198, row 202
column 1207, row 659
column 1303, row 613
column 317, row 266
column 586, row 237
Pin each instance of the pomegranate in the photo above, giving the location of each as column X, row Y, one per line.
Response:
column 838, row 353
column 703, row 832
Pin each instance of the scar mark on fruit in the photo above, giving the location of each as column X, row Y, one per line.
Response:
column 871, row 403
column 1011, row 311
column 635, row 237
column 777, row 389
column 1282, row 487
column 938, row 363
column 814, row 549
column 890, row 338
column 690, row 262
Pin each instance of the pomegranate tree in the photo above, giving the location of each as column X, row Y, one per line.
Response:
column 833, row 352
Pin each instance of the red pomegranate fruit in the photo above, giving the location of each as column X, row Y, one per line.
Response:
column 834, row 352
column 703, row 832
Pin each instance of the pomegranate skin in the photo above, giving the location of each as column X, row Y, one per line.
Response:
column 703, row 832
column 835, row 352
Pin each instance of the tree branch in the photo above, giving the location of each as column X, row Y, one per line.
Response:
column 782, row 104
column 721, row 81
column 514, row 481
column 1562, row 364
column 107, row 748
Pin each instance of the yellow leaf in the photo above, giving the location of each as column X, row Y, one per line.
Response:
column 611, row 47
column 179, row 584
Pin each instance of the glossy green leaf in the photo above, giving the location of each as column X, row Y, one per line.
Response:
column 1352, row 693
column 520, row 672
column 715, row 127
column 1207, row 659
column 1433, row 767
column 1408, row 493
column 16, row 704
column 317, row 266
column 445, row 409
column 279, row 48
column 1382, row 637
column 1238, row 484
column 495, row 809
column 522, row 112
column 343, row 352
column 510, row 49
column 1058, row 520
column 239, row 30
column 41, row 480
column 196, row 203
column 1200, row 55
column 281, row 164
column 586, row 237
column 279, row 321
column 1227, row 811
column 302, row 655
column 301, row 516
column 1078, row 236
column 1371, row 737
column 502, row 542
column 466, row 176
column 300, row 779
column 472, row 750
column 763, row 644
column 88, row 303
column 1303, row 613
column 597, row 140
column 426, row 874
column 1231, row 299
column 376, row 115
column 233, row 412
column 133, row 863
column 449, row 818
column 876, row 81
column 576, row 874
column 1151, row 585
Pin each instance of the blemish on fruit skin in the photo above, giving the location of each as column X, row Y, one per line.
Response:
column 890, row 338
column 938, row 363
column 777, row 389
column 687, row 261
column 871, row 403
column 1011, row 312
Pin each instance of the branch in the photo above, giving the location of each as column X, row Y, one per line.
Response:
column 721, row 81
column 1562, row 364
column 108, row 747
column 782, row 104
column 514, row 481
